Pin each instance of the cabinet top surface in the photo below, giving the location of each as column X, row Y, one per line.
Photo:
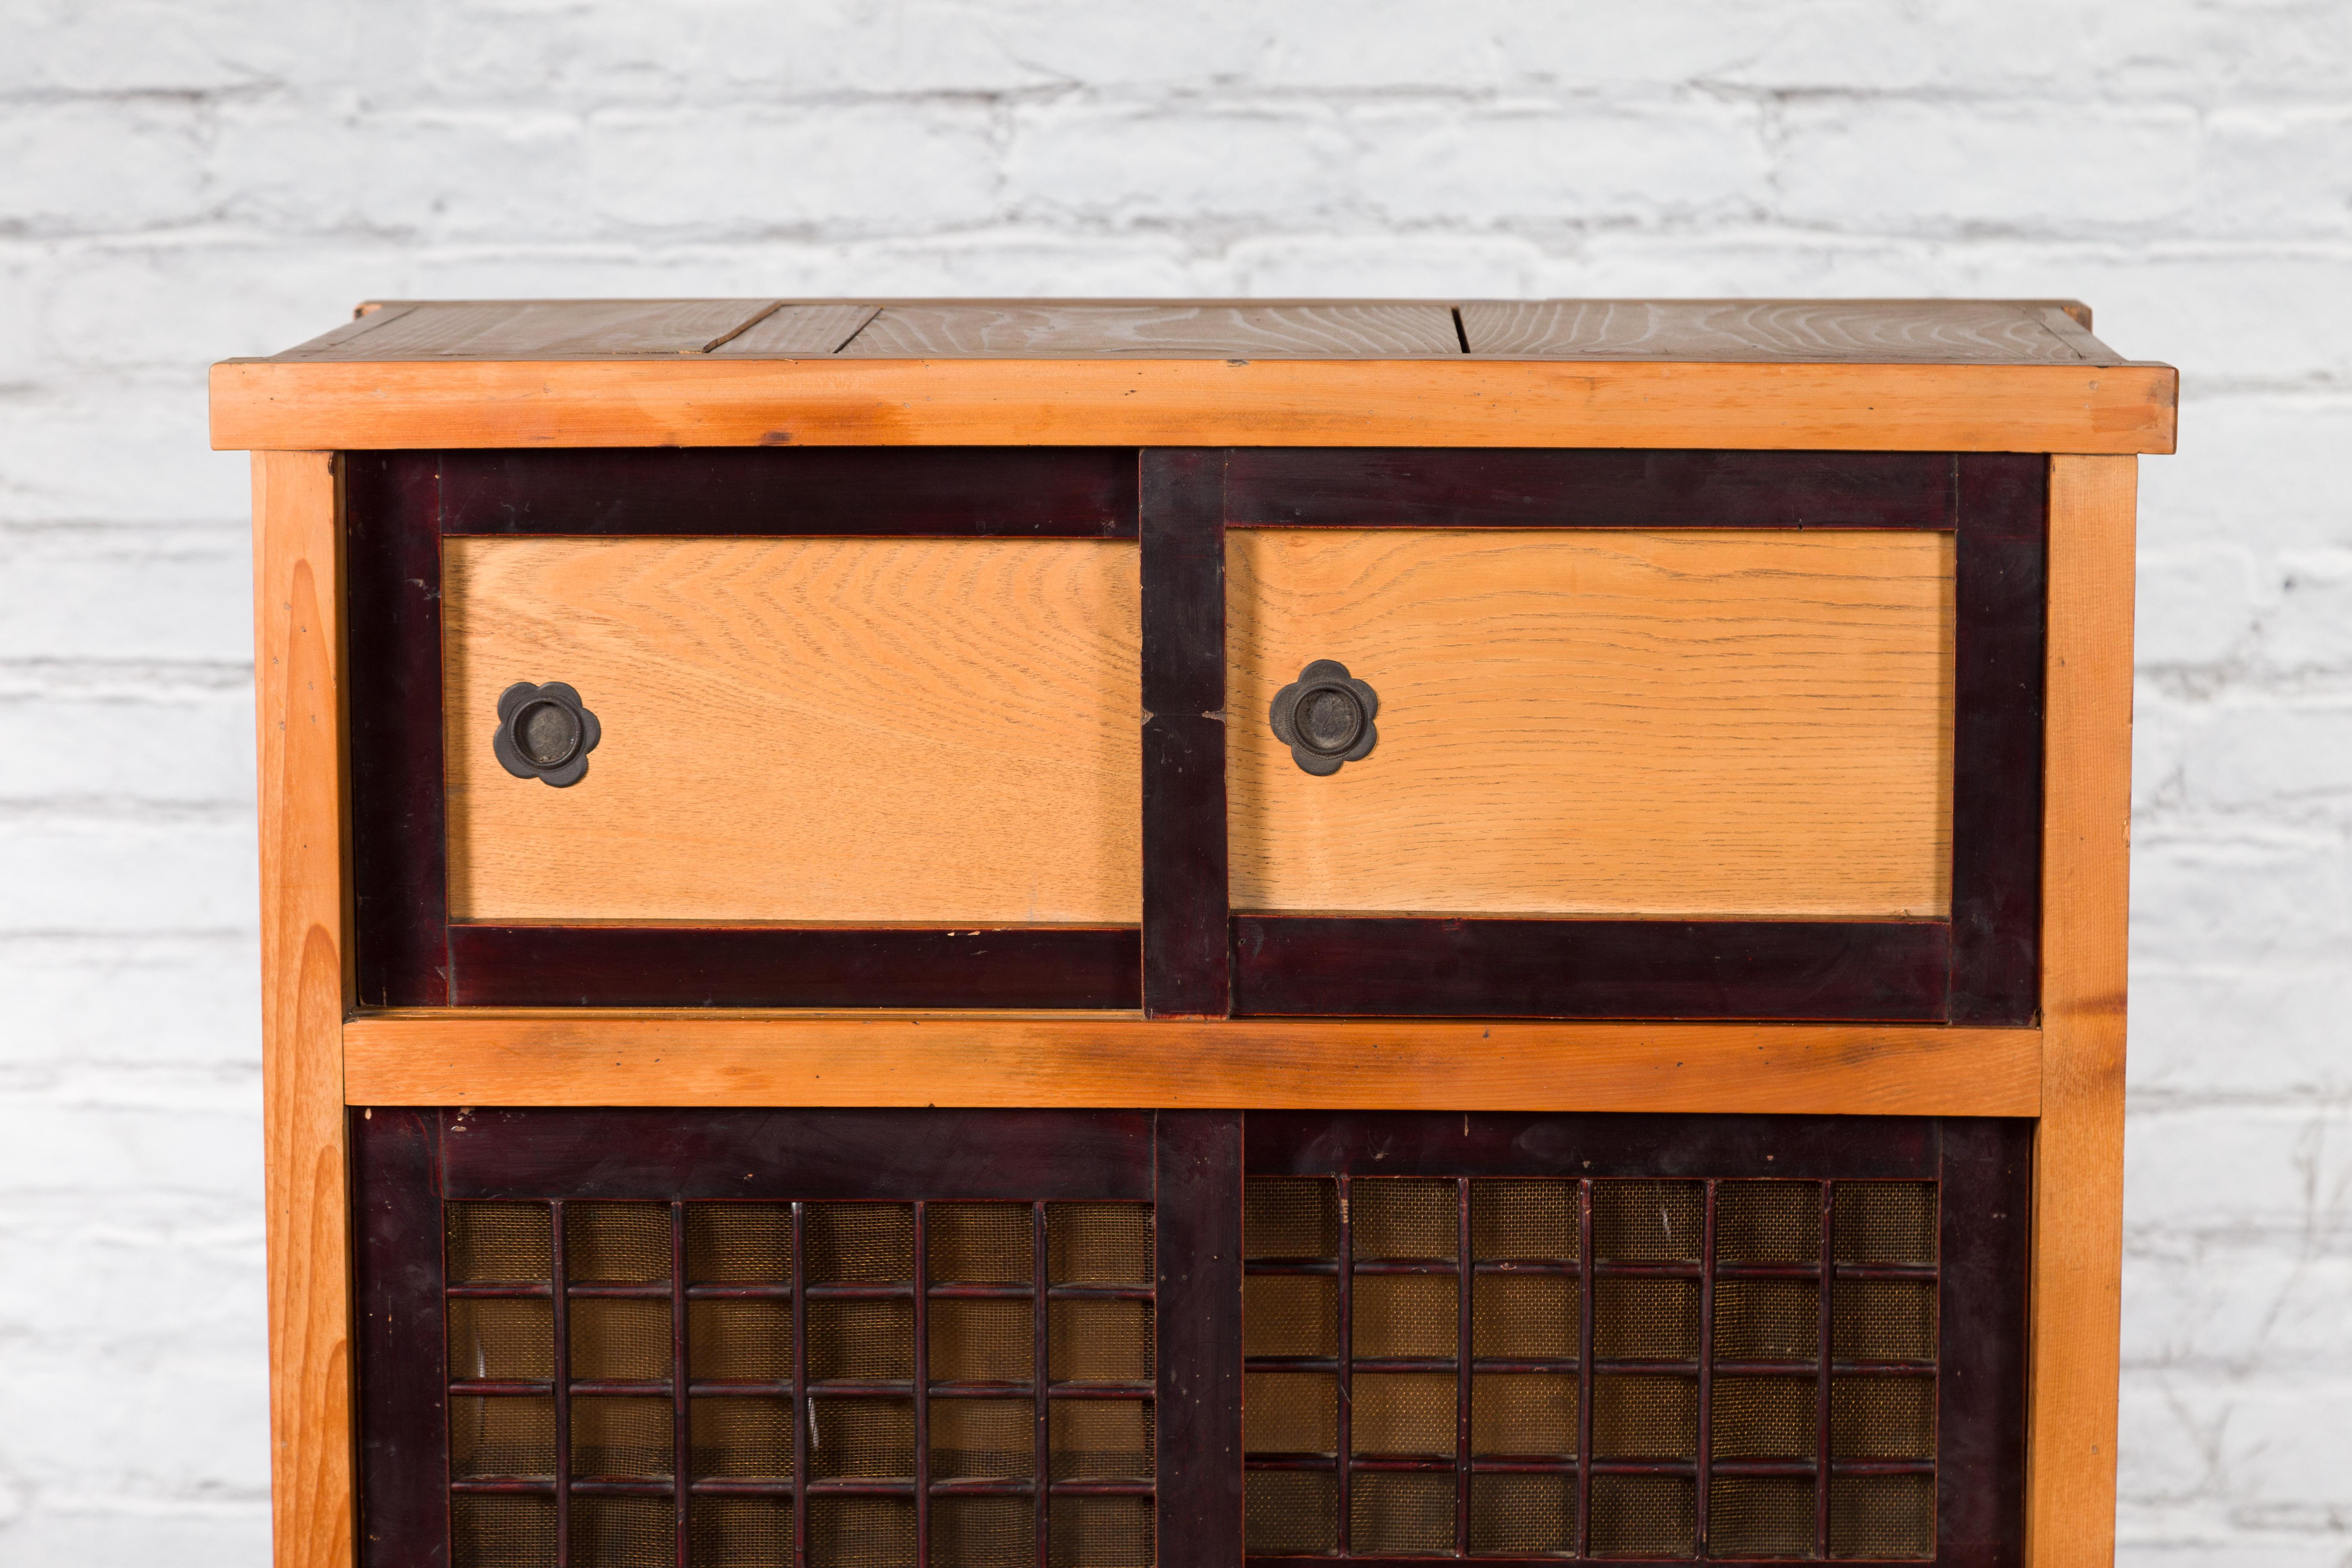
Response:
column 1796, row 331
column 2015, row 376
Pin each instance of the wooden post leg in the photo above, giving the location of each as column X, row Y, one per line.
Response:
column 305, row 964
column 2079, row 1148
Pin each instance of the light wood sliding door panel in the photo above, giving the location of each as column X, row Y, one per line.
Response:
column 1590, row 721
column 825, row 730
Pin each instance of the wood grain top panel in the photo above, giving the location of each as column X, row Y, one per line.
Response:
column 1705, row 723
column 795, row 332
column 1070, row 329
column 819, row 729
column 1874, row 332
column 1884, row 331
column 535, row 329
column 1852, row 375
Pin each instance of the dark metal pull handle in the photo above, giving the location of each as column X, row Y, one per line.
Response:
column 1325, row 717
column 545, row 733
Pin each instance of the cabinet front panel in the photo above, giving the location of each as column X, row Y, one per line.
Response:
column 1186, row 1340
column 1752, row 722
column 817, row 729
column 1682, row 735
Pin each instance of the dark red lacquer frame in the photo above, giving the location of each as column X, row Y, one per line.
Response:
column 406, row 1163
column 1194, row 955
column 1190, row 1164
column 1981, row 1165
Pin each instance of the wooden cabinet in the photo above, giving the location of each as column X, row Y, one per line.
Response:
column 947, row 935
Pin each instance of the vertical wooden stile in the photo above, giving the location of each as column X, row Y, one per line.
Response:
column 1197, row 1314
column 1344, row 1444
column 1040, row 1374
column 1187, row 943
column 304, row 989
column 1701, row 1483
column 922, row 1272
column 559, row 1289
column 2001, row 505
column 1826, row 1305
column 2078, row 1147
column 1464, row 1264
column 399, row 857
column 804, row 1422
column 399, row 1304
column 1585, row 1367
column 681, row 1468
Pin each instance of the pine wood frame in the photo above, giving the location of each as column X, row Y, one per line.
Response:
column 1469, row 402
column 2076, row 1075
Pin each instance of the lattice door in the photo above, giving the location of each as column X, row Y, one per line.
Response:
column 846, row 1340
column 1098, row 1339
column 1724, row 1343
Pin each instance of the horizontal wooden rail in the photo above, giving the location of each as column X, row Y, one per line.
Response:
column 1465, row 402
column 479, row 1056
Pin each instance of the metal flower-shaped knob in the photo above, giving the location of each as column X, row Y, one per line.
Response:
column 1325, row 717
column 545, row 733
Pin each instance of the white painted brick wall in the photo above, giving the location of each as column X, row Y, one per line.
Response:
column 182, row 180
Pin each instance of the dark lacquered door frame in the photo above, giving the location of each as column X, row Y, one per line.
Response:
column 1191, row 1165
column 1203, row 958
column 407, row 1162
column 1194, row 955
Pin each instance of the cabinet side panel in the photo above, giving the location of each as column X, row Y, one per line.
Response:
column 2078, row 1150
column 305, row 980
